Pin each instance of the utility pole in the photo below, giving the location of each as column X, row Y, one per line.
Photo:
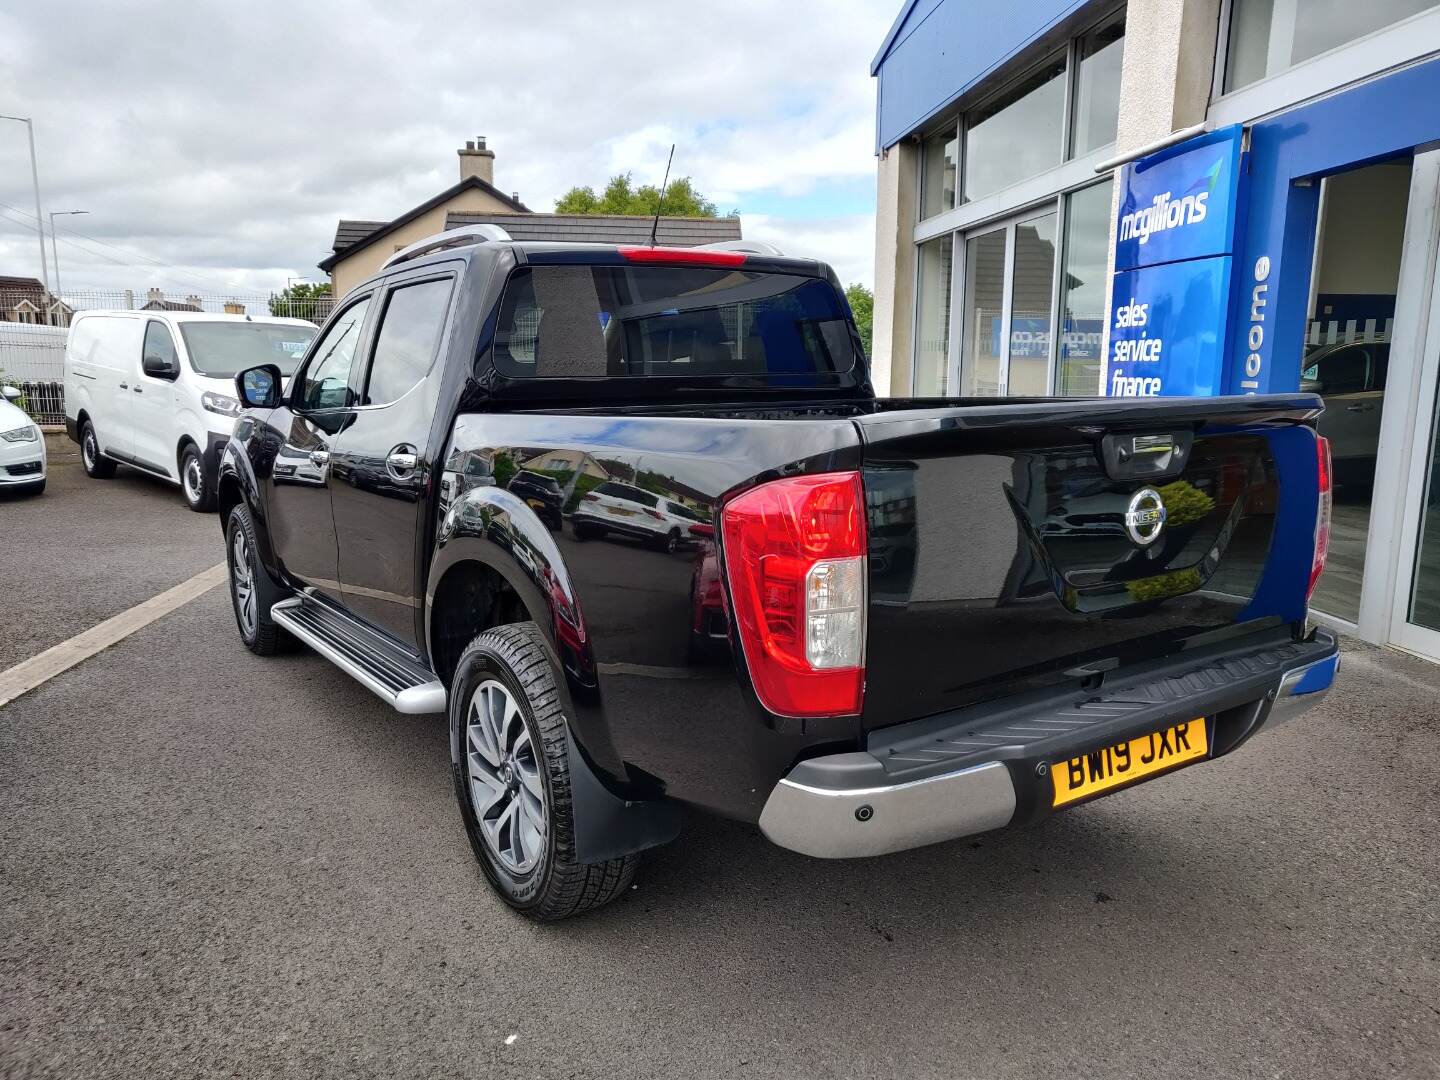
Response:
column 55, row 251
column 39, row 217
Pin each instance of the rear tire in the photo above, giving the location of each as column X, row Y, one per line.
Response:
column 512, row 776
column 199, row 491
column 97, row 467
column 252, row 593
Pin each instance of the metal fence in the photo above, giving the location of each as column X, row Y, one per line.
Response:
column 32, row 351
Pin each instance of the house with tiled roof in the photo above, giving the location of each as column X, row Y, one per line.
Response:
column 361, row 246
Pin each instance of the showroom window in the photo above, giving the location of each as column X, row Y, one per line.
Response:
column 1017, row 134
column 937, row 181
column 1095, row 115
column 1065, row 107
column 1011, row 281
column 932, row 318
column 1083, row 285
column 1268, row 36
column 1031, row 302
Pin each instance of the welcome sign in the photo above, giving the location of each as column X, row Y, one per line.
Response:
column 1174, row 240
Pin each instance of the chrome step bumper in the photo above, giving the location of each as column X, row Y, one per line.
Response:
column 986, row 768
column 366, row 657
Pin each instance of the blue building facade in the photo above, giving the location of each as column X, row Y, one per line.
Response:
column 1247, row 204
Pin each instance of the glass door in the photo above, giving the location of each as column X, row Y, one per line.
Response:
column 1415, row 621
column 1008, row 308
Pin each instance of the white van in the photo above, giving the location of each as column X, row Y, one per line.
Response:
column 155, row 390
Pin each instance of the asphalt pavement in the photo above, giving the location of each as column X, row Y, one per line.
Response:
column 215, row 864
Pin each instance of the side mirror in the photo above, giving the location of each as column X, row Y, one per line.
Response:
column 259, row 387
column 11, row 393
column 1311, row 386
column 158, row 366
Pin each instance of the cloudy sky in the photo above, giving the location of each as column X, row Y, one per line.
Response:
column 215, row 145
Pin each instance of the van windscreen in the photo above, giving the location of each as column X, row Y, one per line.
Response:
column 583, row 322
column 222, row 350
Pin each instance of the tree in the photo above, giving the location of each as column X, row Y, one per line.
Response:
column 621, row 197
column 862, row 306
column 302, row 301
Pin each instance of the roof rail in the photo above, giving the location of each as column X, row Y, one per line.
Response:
column 461, row 237
column 748, row 247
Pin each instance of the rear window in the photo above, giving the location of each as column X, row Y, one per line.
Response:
column 630, row 494
column 583, row 322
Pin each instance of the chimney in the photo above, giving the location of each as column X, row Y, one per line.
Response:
column 234, row 307
column 154, row 296
column 475, row 160
column 194, row 301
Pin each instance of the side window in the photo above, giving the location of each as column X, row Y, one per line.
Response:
column 1382, row 367
column 326, row 382
column 159, row 350
column 1345, row 371
column 409, row 335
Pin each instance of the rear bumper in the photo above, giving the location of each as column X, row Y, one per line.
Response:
column 927, row 782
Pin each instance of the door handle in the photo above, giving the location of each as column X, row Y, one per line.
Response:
column 124, row 386
column 402, row 462
column 319, row 457
column 1359, row 407
column 138, row 389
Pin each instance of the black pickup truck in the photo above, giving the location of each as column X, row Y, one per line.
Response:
column 635, row 519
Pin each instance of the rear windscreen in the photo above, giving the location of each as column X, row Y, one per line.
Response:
column 581, row 322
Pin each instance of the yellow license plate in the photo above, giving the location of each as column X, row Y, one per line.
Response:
column 1124, row 763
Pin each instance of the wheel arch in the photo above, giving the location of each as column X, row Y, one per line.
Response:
column 490, row 538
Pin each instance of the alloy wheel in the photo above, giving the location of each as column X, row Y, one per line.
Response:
column 242, row 576
column 506, row 788
column 87, row 448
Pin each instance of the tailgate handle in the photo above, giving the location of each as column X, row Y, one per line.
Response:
column 1149, row 455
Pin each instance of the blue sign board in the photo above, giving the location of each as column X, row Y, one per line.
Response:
column 1174, row 243
column 1167, row 329
column 1180, row 203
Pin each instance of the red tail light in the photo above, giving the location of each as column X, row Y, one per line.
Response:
column 682, row 256
column 1322, row 512
column 795, row 560
column 590, row 497
column 655, row 514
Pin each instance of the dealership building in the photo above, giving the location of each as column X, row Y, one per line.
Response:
column 1183, row 197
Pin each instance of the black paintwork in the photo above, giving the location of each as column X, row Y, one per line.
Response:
column 997, row 558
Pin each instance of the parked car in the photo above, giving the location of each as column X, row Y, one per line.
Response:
column 156, row 390
column 1351, row 379
column 22, row 447
column 615, row 507
column 542, row 493
column 1013, row 666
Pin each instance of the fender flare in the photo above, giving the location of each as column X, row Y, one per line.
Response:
column 235, row 467
column 492, row 527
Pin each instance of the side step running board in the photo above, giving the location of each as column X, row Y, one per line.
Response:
column 363, row 655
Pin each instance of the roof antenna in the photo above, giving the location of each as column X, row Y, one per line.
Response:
column 655, row 225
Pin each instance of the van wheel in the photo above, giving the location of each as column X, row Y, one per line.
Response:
column 672, row 542
column 199, row 493
column 512, row 777
column 96, row 466
column 252, row 593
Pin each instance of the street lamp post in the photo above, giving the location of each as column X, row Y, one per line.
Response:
column 55, row 251
column 39, row 217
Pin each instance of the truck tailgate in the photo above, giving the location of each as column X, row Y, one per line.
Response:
column 1015, row 546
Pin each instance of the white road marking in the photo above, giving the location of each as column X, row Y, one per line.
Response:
column 44, row 666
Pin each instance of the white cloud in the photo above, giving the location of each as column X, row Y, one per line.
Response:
column 846, row 243
column 226, row 141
